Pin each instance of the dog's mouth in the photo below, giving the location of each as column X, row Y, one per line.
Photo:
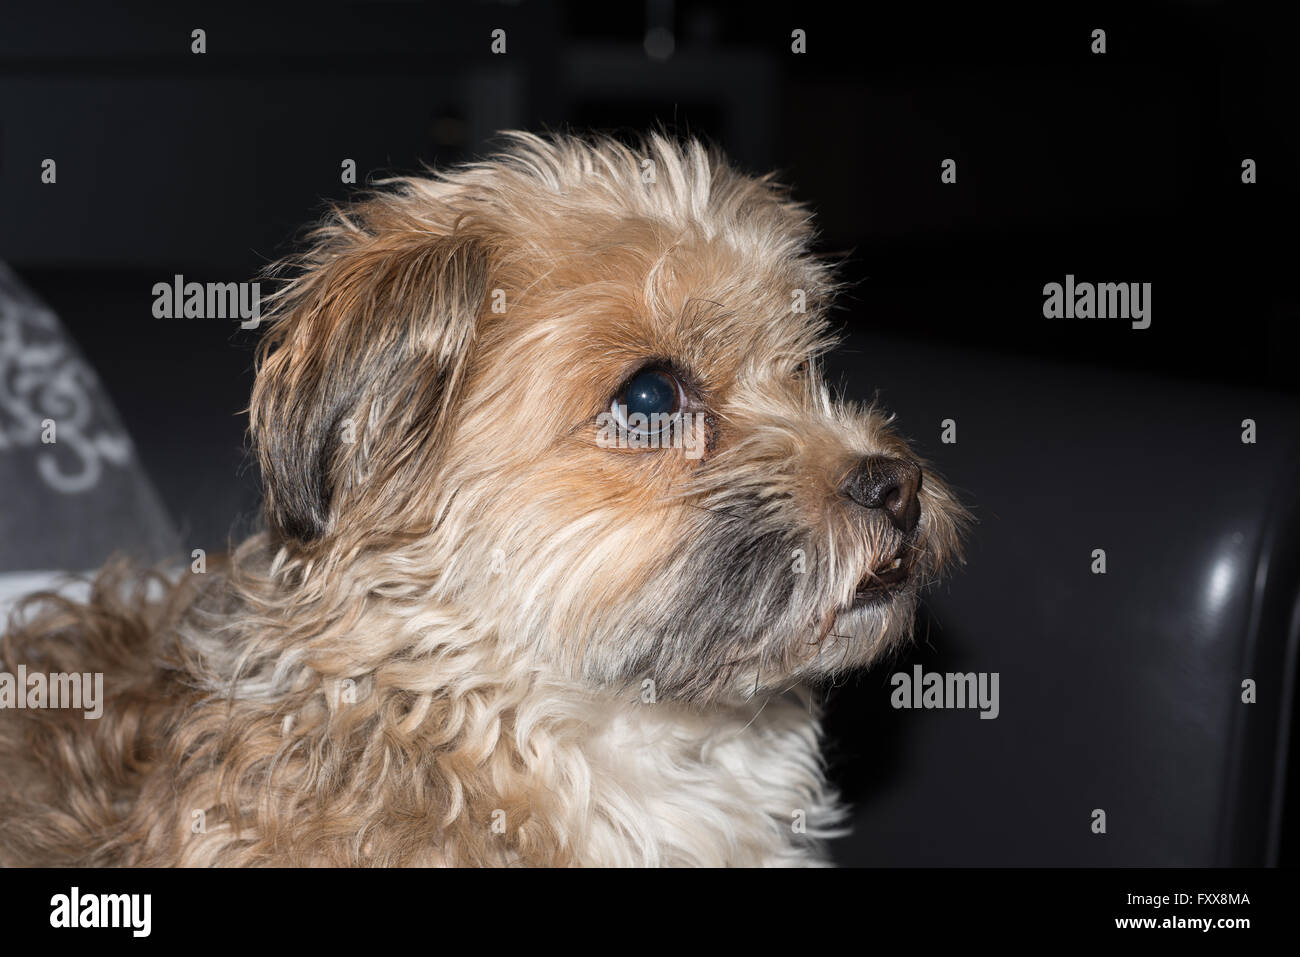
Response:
column 884, row 581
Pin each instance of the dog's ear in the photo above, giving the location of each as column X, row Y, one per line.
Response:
column 363, row 361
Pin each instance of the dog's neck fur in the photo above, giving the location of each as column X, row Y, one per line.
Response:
column 270, row 723
column 480, row 758
column 724, row 785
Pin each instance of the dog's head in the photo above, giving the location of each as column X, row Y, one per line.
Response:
column 574, row 393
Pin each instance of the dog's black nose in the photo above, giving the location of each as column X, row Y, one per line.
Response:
column 880, row 481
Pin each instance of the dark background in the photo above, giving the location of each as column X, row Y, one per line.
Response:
column 1120, row 167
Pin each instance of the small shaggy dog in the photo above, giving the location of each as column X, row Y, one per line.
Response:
column 506, row 608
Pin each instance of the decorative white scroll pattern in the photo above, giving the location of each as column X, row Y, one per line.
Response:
column 41, row 377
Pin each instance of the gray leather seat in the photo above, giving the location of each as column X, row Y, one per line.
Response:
column 1119, row 691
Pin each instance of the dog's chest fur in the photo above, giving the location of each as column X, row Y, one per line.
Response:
column 448, row 753
column 489, row 760
column 733, row 786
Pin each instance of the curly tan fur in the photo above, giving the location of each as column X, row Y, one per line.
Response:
column 469, row 635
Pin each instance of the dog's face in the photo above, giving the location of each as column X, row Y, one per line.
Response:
column 586, row 410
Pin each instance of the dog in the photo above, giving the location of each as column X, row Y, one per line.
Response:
column 473, row 629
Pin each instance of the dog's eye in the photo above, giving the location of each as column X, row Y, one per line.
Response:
column 648, row 402
column 801, row 370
